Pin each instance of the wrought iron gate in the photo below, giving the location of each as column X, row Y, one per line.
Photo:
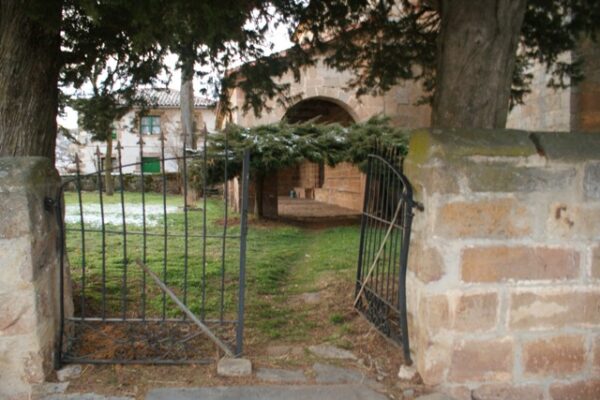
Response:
column 156, row 278
column 383, row 253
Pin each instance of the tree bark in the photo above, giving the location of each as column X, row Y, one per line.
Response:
column 475, row 61
column 109, row 182
column 30, row 62
column 186, row 104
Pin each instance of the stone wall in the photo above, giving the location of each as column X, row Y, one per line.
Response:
column 344, row 186
column 504, row 267
column 29, row 275
column 131, row 182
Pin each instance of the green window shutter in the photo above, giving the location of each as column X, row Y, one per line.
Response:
column 150, row 165
column 114, row 134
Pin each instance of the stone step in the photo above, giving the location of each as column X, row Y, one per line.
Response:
column 291, row 392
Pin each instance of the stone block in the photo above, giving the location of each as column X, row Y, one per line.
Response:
column 234, row 367
column 17, row 313
column 495, row 218
column 464, row 312
column 574, row 221
column 569, row 146
column 482, row 360
column 596, row 262
column 517, row 263
column 557, row 356
column 508, row 392
column 425, row 262
column 591, row 181
column 549, row 309
column 14, row 220
column 14, row 253
column 280, row 375
column 434, row 178
column 433, row 358
column 331, row 352
column 588, row 389
column 509, row 178
column 456, row 144
column 596, row 353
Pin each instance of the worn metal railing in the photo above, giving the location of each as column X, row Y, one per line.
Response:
column 155, row 278
column 383, row 252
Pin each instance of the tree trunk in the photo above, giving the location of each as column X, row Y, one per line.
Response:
column 30, row 62
column 186, row 104
column 476, row 57
column 109, row 182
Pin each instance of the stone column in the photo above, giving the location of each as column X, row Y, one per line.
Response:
column 29, row 274
column 503, row 286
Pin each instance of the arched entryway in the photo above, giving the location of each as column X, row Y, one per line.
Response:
column 322, row 110
column 311, row 191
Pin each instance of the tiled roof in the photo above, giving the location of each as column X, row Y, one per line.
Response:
column 170, row 98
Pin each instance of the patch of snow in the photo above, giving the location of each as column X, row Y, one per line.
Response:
column 134, row 215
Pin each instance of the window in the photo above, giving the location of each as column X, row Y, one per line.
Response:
column 150, row 165
column 150, row 125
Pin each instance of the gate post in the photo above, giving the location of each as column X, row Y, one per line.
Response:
column 503, row 278
column 29, row 274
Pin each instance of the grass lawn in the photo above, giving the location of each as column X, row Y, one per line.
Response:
column 283, row 262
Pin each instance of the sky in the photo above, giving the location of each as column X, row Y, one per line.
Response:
column 276, row 35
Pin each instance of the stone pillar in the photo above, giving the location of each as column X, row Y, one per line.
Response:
column 504, row 283
column 29, row 274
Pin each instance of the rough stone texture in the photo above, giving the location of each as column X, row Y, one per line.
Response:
column 330, row 374
column 407, row 373
column 551, row 310
column 507, row 392
column 234, row 367
column 434, row 396
column 280, row 375
column 499, row 218
column 596, row 262
column 517, row 226
column 580, row 390
column 561, row 356
column 591, row 181
column 288, row 392
column 468, row 312
column 509, row 178
column 427, row 263
column 85, row 396
column 494, row 264
column 574, row 221
column 29, row 274
column 596, row 354
column 470, row 363
column 331, row 352
column 68, row 372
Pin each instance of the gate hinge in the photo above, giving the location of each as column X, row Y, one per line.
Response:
column 49, row 204
column 418, row 206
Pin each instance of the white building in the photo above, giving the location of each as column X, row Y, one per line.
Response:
column 163, row 117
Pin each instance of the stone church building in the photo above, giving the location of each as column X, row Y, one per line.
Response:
column 323, row 96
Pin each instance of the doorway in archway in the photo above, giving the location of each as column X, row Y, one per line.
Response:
column 314, row 191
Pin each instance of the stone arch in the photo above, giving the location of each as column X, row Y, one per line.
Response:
column 322, row 108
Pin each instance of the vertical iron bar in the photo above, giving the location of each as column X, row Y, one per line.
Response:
column 185, row 223
column 226, row 215
column 393, row 243
column 61, row 276
column 103, row 231
column 124, row 285
column 83, row 265
column 204, row 170
column 144, row 244
column 407, row 217
column 388, row 217
column 165, row 229
column 243, row 233
column 363, row 224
